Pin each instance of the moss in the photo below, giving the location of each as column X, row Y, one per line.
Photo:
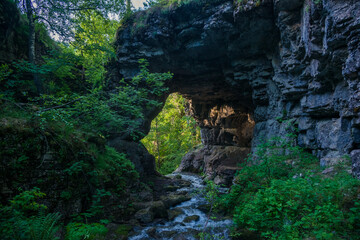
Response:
column 123, row 230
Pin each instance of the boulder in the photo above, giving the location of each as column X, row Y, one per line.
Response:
column 174, row 199
column 144, row 215
column 173, row 213
column 157, row 208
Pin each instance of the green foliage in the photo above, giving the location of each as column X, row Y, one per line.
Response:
column 25, row 218
column 93, row 44
column 72, row 130
column 26, row 202
column 44, row 227
column 61, row 16
column 211, row 194
column 309, row 207
column 115, row 112
column 280, row 193
column 89, row 164
column 172, row 135
column 5, row 72
column 116, row 168
column 82, row 231
column 66, row 127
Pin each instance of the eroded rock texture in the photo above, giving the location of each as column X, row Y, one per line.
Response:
column 247, row 69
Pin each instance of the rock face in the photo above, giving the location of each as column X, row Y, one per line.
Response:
column 217, row 162
column 248, row 68
column 143, row 161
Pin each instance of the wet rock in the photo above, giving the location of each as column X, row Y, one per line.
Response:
column 157, row 208
column 169, row 229
column 173, row 213
column 191, row 218
column 168, row 234
column 144, row 215
column 204, row 208
column 174, row 199
column 180, row 237
column 219, row 163
column 118, row 231
column 183, row 184
column 152, row 232
column 171, row 188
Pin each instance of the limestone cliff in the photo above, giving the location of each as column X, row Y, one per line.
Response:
column 249, row 67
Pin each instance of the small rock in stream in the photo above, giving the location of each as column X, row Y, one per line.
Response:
column 168, row 234
column 173, row 213
column 174, row 199
column 152, row 232
column 191, row 218
column 204, row 208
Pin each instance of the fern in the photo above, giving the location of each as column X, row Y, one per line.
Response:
column 44, row 227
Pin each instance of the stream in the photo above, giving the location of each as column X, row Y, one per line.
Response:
column 190, row 221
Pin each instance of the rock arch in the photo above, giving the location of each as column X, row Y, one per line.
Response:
column 245, row 66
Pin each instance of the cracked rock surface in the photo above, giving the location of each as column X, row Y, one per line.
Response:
column 247, row 69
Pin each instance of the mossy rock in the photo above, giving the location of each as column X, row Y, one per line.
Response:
column 204, row 208
column 145, row 215
column 191, row 218
column 174, row 199
column 118, row 231
column 123, row 230
column 173, row 213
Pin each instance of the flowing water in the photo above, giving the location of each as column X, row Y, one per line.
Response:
column 178, row 229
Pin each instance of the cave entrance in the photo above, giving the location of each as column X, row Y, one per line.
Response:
column 210, row 136
column 173, row 133
column 226, row 133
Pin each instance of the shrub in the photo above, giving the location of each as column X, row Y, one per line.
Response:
column 311, row 207
column 26, row 219
column 82, row 231
column 280, row 193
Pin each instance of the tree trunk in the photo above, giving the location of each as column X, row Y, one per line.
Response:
column 32, row 57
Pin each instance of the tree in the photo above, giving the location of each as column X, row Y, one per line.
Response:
column 59, row 18
column 93, row 43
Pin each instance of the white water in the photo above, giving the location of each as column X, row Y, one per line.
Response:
column 177, row 229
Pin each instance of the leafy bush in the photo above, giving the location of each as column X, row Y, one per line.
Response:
column 276, row 158
column 280, row 193
column 26, row 202
column 311, row 207
column 103, row 113
column 82, row 231
column 26, row 219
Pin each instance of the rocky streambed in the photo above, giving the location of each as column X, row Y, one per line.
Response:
column 185, row 220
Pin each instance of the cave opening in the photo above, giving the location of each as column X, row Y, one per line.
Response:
column 173, row 133
column 202, row 132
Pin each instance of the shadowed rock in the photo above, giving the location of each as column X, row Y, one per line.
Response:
column 249, row 70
